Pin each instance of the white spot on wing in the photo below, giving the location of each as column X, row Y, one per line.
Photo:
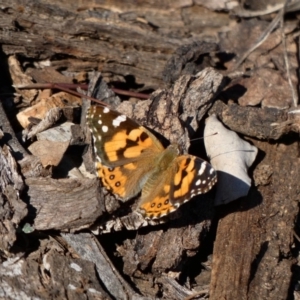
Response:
column 116, row 122
column 198, row 182
column 106, row 110
column 104, row 128
column 99, row 122
column 202, row 169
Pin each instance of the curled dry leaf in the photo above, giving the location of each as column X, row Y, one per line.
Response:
column 231, row 157
column 40, row 109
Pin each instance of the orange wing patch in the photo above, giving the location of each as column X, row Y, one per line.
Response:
column 184, row 177
column 113, row 179
column 130, row 166
column 128, row 145
column 158, row 207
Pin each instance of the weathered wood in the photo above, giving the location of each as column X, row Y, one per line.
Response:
column 48, row 273
column 116, row 38
column 9, row 137
column 266, row 123
column 256, row 233
column 90, row 249
column 130, row 43
column 13, row 209
column 65, row 203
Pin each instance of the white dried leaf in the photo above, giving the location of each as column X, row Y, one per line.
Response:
column 231, row 157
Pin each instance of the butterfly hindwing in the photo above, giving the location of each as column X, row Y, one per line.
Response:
column 124, row 181
column 185, row 178
column 193, row 176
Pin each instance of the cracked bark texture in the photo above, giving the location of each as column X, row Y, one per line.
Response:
column 243, row 250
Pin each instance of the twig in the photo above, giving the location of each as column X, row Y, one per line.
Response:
column 261, row 40
column 296, row 235
column 298, row 61
column 198, row 294
column 287, row 7
column 131, row 94
column 286, row 60
column 59, row 87
column 70, row 87
column 243, row 13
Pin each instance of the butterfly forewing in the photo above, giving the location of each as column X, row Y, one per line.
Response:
column 125, row 151
column 118, row 140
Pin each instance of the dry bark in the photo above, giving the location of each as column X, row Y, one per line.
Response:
column 148, row 47
column 265, row 230
column 130, row 45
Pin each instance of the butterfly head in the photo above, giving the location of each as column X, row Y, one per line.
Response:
column 174, row 148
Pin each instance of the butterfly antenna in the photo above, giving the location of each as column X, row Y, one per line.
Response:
column 200, row 138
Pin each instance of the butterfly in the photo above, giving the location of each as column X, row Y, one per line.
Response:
column 130, row 160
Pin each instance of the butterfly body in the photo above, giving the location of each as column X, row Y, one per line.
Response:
column 130, row 160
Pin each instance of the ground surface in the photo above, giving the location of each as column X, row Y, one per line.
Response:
column 62, row 236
